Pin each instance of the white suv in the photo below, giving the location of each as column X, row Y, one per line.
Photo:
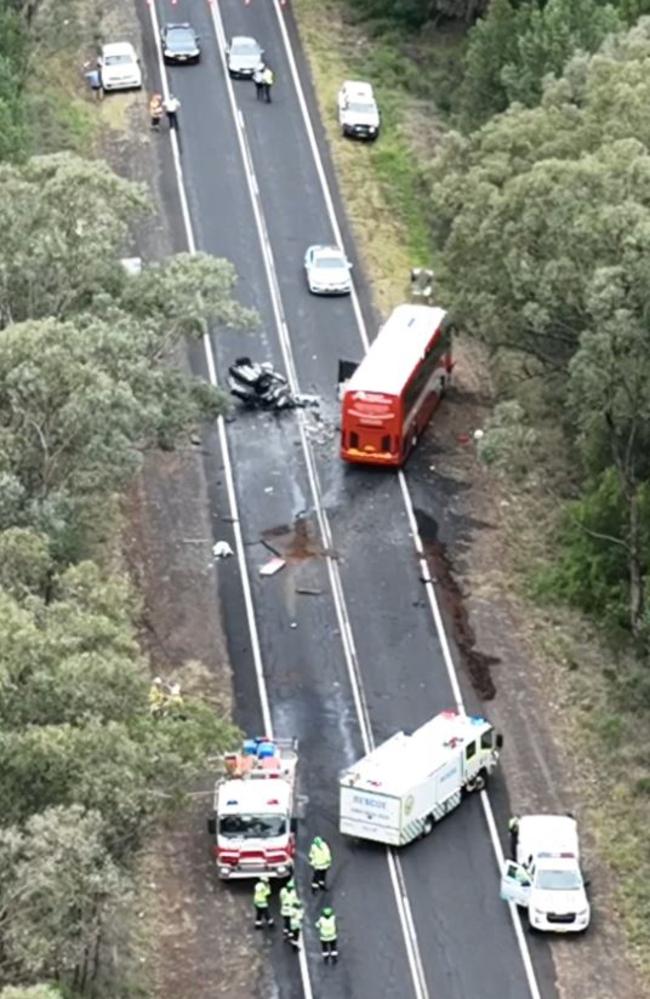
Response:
column 545, row 876
column 358, row 111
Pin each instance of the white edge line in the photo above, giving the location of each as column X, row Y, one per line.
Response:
column 433, row 602
column 320, row 169
column 212, row 374
column 230, row 485
column 403, row 906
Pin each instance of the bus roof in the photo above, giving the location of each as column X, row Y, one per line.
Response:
column 396, row 350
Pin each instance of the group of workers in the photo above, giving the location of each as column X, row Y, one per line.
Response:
column 292, row 909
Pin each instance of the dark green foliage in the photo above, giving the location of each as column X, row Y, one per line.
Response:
column 516, row 45
column 414, row 14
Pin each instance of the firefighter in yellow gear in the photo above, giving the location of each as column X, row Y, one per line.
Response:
column 320, row 860
column 288, row 901
column 261, row 895
column 327, row 931
column 295, row 924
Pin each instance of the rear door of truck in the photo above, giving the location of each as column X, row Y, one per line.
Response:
column 369, row 815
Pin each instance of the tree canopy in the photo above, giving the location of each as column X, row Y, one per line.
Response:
column 562, row 191
column 87, row 384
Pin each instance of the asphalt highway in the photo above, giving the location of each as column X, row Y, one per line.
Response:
column 446, row 887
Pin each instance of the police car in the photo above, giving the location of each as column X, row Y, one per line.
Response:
column 545, row 876
column 358, row 111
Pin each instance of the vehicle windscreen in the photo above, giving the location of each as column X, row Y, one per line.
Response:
column 180, row 37
column 359, row 108
column 252, row 826
column 331, row 262
column 245, row 49
column 118, row 60
column 558, row 880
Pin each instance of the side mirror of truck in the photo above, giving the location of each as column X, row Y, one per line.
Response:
column 499, row 741
column 212, row 826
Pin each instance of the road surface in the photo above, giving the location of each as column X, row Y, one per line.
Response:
column 359, row 656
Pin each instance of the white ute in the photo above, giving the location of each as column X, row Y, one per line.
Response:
column 398, row 791
column 545, row 877
column 358, row 111
column 119, row 67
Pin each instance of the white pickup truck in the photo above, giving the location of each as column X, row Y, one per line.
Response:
column 545, row 876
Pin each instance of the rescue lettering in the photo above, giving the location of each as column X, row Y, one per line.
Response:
column 376, row 803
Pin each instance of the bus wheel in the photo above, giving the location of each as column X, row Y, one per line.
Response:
column 428, row 826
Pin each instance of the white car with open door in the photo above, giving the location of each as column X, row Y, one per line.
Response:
column 545, row 877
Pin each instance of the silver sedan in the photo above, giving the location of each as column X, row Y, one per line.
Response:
column 328, row 271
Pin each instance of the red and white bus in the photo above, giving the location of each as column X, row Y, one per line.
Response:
column 392, row 394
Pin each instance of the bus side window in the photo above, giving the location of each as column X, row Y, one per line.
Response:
column 470, row 750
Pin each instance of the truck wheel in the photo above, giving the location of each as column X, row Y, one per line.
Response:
column 480, row 781
column 428, row 826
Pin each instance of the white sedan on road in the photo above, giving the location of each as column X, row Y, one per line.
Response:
column 119, row 67
column 328, row 271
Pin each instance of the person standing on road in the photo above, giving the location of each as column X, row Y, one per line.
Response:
column 295, row 924
column 326, row 927
column 268, row 80
column 320, row 860
column 258, row 80
column 172, row 105
column 261, row 895
column 513, row 832
column 288, row 901
column 156, row 111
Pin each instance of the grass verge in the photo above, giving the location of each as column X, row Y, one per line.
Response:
column 383, row 183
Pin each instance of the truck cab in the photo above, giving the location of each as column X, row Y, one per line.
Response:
column 545, row 877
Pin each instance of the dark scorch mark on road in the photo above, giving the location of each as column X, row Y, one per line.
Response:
column 477, row 664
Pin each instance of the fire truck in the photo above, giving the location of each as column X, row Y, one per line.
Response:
column 400, row 790
column 254, row 819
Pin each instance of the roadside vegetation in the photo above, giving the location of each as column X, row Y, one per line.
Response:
column 87, row 389
column 524, row 127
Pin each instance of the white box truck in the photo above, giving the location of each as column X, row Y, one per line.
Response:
column 402, row 788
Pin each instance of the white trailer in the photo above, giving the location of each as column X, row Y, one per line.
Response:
column 398, row 791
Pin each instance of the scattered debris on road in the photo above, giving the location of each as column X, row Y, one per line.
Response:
column 221, row 549
column 306, row 591
column 272, row 566
column 260, row 386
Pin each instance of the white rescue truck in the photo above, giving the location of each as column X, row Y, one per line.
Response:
column 254, row 821
column 545, row 876
column 398, row 791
